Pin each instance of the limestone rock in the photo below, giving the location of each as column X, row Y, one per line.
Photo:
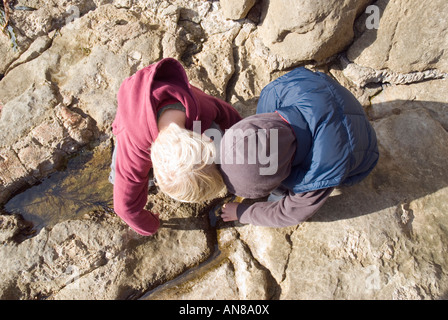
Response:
column 36, row 48
column 215, row 22
column 48, row 15
column 234, row 271
column 67, row 251
column 299, row 31
column 221, row 275
column 381, row 239
column 411, row 37
column 8, row 54
column 43, row 150
column 428, row 95
column 11, row 226
column 19, row 114
column 363, row 76
column 99, row 257
column 236, row 9
column 41, row 134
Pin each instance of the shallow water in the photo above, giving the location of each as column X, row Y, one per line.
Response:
column 80, row 188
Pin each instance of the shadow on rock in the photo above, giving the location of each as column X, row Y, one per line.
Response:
column 412, row 139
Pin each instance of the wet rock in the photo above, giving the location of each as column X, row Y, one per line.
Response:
column 428, row 95
column 37, row 135
column 237, row 274
column 143, row 263
column 99, row 257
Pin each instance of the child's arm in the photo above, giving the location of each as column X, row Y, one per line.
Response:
column 291, row 210
column 131, row 187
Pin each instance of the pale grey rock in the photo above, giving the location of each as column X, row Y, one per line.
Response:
column 363, row 76
column 18, row 115
column 411, row 37
column 126, row 4
column 7, row 52
column 36, row 48
column 48, row 16
column 381, row 239
column 234, row 9
column 100, row 257
column 37, row 267
column 216, row 58
column 215, row 22
column 10, row 227
column 237, row 274
column 37, row 134
column 203, row 284
column 14, row 84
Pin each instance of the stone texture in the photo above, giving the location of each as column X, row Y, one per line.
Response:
column 236, row 9
column 11, row 226
column 204, row 284
column 99, row 257
column 383, row 239
column 41, row 134
column 19, row 114
column 363, row 76
column 217, row 69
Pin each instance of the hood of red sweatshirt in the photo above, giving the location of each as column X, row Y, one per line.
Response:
column 149, row 89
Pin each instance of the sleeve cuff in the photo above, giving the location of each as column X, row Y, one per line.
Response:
column 240, row 211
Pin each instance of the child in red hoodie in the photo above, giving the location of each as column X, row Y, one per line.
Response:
column 156, row 98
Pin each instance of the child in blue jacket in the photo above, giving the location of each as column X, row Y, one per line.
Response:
column 309, row 135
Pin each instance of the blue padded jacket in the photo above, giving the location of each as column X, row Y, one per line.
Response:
column 336, row 145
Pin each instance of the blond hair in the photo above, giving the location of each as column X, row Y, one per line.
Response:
column 183, row 165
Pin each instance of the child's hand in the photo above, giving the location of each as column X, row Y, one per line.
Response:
column 229, row 211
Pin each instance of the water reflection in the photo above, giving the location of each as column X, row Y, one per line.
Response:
column 81, row 188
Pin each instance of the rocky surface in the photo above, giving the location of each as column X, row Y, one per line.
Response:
column 385, row 238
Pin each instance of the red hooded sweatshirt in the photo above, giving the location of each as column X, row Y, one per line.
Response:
column 135, row 127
